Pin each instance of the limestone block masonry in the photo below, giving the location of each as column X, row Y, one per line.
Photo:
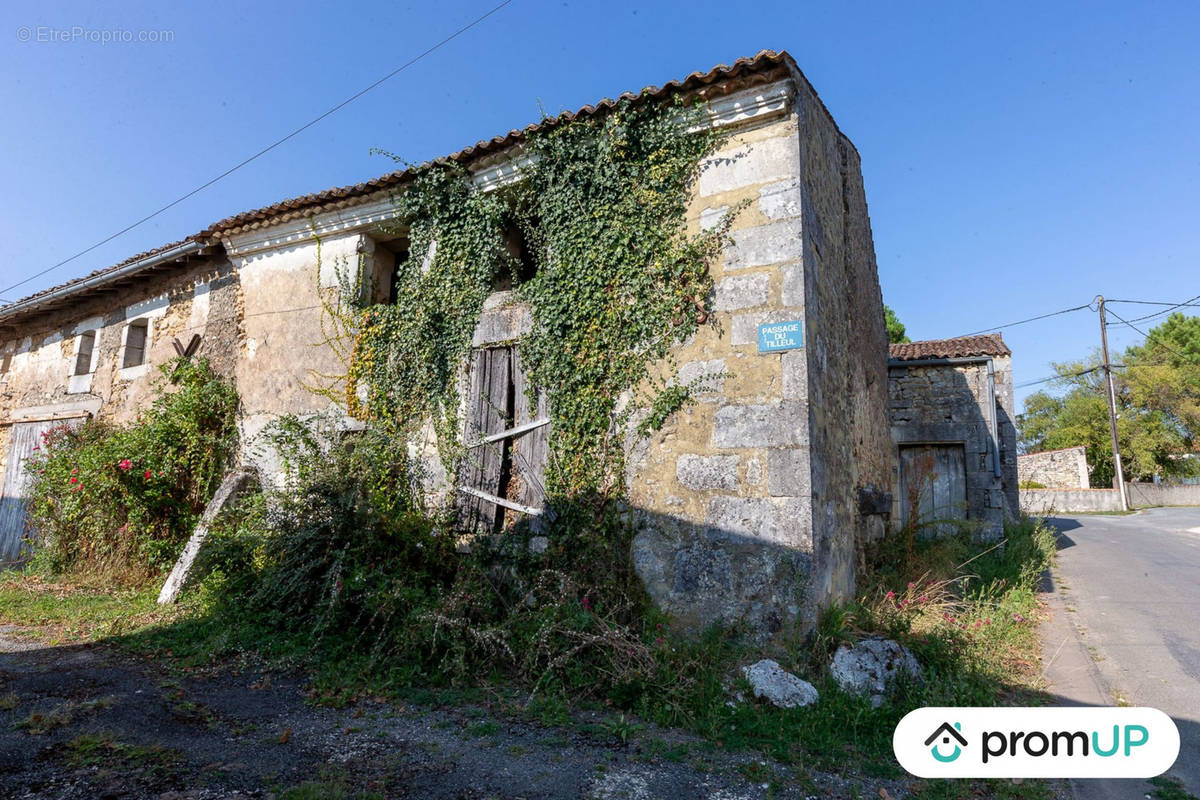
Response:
column 1055, row 469
column 745, row 500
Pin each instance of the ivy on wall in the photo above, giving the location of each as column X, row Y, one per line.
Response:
column 617, row 281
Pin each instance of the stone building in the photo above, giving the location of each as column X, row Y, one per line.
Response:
column 752, row 504
column 1054, row 469
column 950, row 402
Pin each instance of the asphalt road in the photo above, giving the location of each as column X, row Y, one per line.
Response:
column 1126, row 603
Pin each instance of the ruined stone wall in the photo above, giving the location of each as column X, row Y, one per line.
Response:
column 722, row 491
column 847, row 354
column 1055, row 469
column 747, row 499
column 200, row 299
column 1006, row 429
column 951, row 404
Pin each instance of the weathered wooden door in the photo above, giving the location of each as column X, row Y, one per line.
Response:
column 933, row 487
column 25, row 437
column 510, row 466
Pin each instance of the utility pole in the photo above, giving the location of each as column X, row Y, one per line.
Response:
column 1112, row 407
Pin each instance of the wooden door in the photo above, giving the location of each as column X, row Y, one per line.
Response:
column 933, row 487
column 25, row 437
column 489, row 411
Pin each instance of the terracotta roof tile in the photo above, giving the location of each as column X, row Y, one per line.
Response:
column 962, row 347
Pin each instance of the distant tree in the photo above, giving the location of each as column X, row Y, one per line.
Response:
column 1163, row 373
column 895, row 328
column 1158, row 407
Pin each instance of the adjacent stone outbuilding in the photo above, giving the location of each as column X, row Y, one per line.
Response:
column 950, row 402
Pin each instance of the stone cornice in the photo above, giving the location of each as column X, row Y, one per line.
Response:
column 749, row 106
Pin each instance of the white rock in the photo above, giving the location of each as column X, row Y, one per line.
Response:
column 775, row 684
column 869, row 666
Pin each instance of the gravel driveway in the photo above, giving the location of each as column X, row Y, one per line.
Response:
column 87, row 722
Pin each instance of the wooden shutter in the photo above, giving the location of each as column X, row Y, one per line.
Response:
column 529, row 449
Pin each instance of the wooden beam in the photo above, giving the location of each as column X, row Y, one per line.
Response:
column 517, row 431
column 500, row 501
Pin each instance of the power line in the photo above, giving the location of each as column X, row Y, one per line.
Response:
column 1031, row 319
column 1157, row 341
column 1185, row 304
column 266, row 149
column 1056, row 377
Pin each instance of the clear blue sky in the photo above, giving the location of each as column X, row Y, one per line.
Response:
column 1019, row 157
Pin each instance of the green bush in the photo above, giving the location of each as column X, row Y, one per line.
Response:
column 119, row 501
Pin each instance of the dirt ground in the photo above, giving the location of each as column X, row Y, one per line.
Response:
column 86, row 722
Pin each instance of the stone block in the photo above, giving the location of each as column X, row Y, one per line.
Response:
column 792, row 291
column 766, row 425
column 795, row 374
column 711, row 217
column 786, row 522
column 780, row 200
column 709, row 376
column 746, row 291
column 748, row 164
column 707, row 472
column 788, row 472
column 764, row 245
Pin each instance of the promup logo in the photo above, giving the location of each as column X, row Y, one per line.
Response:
column 947, row 732
column 1036, row 742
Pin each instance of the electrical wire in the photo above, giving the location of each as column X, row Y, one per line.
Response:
column 1056, row 377
column 1031, row 319
column 264, row 150
column 1185, row 304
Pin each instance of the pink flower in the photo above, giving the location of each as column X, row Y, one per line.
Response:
column 904, row 602
column 1018, row 618
column 978, row 624
column 922, row 599
column 74, row 480
column 987, row 622
column 76, row 488
column 586, row 603
column 911, row 584
column 75, row 470
column 147, row 474
column 890, row 595
column 125, row 464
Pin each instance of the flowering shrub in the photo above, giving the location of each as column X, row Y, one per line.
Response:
column 121, row 500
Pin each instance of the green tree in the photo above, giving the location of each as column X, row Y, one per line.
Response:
column 895, row 328
column 1163, row 373
column 1158, row 407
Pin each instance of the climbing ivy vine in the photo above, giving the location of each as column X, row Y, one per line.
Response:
column 618, row 279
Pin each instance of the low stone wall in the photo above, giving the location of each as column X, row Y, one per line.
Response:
column 1055, row 469
column 1048, row 501
column 1142, row 495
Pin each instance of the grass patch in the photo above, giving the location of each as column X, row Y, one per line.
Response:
column 67, row 610
column 104, row 750
column 39, row 723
